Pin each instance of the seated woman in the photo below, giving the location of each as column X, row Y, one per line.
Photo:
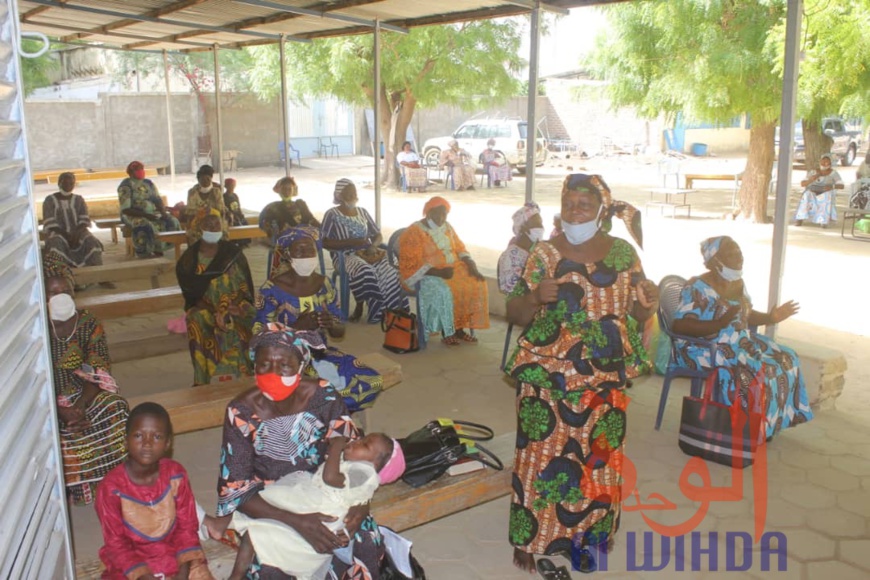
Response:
column 416, row 176
column 528, row 230
column 287, row 213
column 297, row 296
column 495, row 165
column 817, row 202
column 282, row 426
column 716, row 305
column 452, row 294
column 232, row 203
column 143, row 211
column 65, row 221
column 352, row 231
column 203, row 197
column 92, row 415
column 863, row 171
column 460, row 164
column 219, row 303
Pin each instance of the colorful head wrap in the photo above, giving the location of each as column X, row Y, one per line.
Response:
column 828, row 156
column 710, row 247
column 612, row 208
column 55, row 266
column 435, row 202
column 524, row 214
column 394, row 467
column 286, row 239
column 299, row 342
column 340, row 186
column 134, row 166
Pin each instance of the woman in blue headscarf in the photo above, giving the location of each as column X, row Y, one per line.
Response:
column 716, row 305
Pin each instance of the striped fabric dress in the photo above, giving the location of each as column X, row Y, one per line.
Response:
column 375, row 284
column 63, row 215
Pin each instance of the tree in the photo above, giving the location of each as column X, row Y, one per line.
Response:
column 712, row 60
column 36, row 72
column 460, row 64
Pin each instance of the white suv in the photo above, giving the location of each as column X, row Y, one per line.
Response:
column 509, row 135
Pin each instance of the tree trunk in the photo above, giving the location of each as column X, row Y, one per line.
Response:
column 395, row 128
column 816, row 143
column 752, row 198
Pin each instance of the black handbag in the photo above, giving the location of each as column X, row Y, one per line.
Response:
column 389, row 572
column 431, row 450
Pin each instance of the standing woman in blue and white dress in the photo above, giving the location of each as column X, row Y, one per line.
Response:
column 351, row 230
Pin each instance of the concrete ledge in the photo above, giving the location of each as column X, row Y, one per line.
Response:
column 824, row 371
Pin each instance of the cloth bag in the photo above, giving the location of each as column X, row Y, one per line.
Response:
column 726, row 434
column 432, row 449
column 400, row 331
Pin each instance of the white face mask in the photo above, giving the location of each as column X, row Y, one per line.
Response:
column 61, row 307
column 350, row 204
column 536, row 234
column 435, row 226
column 729, row 274
column 579, row 233
column 212, row 237
column 305, row 266
column 205, row 188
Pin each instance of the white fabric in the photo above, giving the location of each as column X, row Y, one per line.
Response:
column 303, row 493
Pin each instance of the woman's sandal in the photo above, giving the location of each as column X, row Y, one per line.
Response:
column 582, row 561
column 549, row 571
column 451, row 341
column 465, row 337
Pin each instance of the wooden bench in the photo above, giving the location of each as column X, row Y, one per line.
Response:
column 735, row 178
column 122, row 271
column 110, row 223
column 82, row 174
column 179, row 238
column 203, row 407
column 670, row 200
column 139, row 344
column 132, row 303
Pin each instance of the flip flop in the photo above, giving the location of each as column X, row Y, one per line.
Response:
column 582, row 561
column 465, row 337
column 450, row 341
column 549, row 571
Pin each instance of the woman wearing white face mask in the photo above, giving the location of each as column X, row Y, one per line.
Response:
column 92, row 415
column 580, row 299
column 202, row 198
column 350, row 229
column 300, row 297
column 219, row 303
column 716, row 305
column 528, row 230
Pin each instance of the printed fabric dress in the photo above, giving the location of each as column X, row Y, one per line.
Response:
column 375, row 284
column 511, row 264
column 820, row 208
column 234, row 209
column 742, row 355
column 415, row 177
column 199, row 205
column 495, row 173
column 90, row 454
column 142, row 194
column 149, row 529
column 220, row 281
column 460, row 166
column 445, row 305
column 256, row 452
column 63, row 215
column 358, row 384
column 571, row 366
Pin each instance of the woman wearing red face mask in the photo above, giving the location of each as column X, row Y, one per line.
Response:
column 281, row 426
column 143, row 210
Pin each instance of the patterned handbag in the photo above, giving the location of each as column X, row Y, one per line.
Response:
column 726, row 434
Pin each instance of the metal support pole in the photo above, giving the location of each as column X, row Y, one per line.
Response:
column 786, row 147
column 377, row 117
column 169, row 118
column 285, row 129
column 217, row 108
column 531, row 118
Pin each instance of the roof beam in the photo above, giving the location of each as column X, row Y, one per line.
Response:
column 156, row 13
column 532, row 4
column 157, row 20
column 175, row 38
column 320, row 14
column 87, row 32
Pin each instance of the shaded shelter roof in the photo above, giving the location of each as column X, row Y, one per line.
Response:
column 195, row 25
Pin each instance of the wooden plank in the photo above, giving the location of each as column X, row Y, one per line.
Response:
column 122, row 271
column 692, row 177
column 176, row 238
column 102, row 206
column 132, row 303
column 139, row 344
column 246, row 232
column 179, row 238
column 203, row 407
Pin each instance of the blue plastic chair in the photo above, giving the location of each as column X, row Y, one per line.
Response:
column 393, row 257
column 669, row 300
column 282, row 153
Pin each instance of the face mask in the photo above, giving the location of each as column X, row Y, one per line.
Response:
column 729, row 274
column 61, row 307
column 435, row 226
column 139, row 174
column 212, row 237
column 66, row 191
column 277, row 388
column 305, row 266
column 350, row 204
column 536, row 234
column 205, row 189
column 579, row 233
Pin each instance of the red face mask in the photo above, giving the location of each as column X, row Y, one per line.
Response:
column 139, row 174
column 277, row 388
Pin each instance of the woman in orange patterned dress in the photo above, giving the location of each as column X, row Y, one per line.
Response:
column 452, row 292
column 580, row 300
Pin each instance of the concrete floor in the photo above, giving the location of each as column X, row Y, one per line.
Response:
column 818, row 477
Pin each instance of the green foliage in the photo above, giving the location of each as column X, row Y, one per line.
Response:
column 35, row 72
column 196, row 67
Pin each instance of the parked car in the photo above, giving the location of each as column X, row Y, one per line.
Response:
column 510, row 140
column 845, row 142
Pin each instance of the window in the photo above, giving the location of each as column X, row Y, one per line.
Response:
column 465, row 132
